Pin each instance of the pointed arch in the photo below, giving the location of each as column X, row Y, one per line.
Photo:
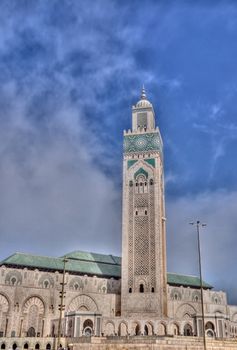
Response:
column 36, row 301
column 4, row 303
column 185, row 309
column 109, row 328
column 83, row 302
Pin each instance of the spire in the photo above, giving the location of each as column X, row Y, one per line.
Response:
column 143, row 94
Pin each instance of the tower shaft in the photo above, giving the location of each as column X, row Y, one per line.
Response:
column 144, row 241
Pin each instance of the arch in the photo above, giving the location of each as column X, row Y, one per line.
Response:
column 46, row 277
column 185, row 309
column 37, row 346
column 26, row 346
column 3, row 346
column 4, row 303
column 210, row 329
column 122, row 329
column 209, row 325
column 148, row 329
column 161, row 329
column 175, row 329
column 109, row 328
column 136, row 328
column 14, row 346
column 141, row 288
column 216, row 299
column 196, row 296
column 15, row 276
column 31, row 332
column 33, row 300
column 175, row 294
column 88, row 327
column 76, row 283
column 48, row 346
column 188, row 330
column 83, row 303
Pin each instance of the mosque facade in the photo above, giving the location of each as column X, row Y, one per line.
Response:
column 104, row 295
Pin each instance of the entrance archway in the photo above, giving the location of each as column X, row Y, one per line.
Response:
column 188, row 331
column 88, row 328
column 31, row 332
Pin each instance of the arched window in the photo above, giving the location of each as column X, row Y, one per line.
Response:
column 46, row 284
column 145, row 212
column 130, row 183
column 48, row 346
column 153, row 290
column 141, row 288
column 14, row 346
column 151, row 182
column 130, row 290
column 26, row 346
column 37, row 346
column 13, row 281
column 145, row 330
column 3, row 346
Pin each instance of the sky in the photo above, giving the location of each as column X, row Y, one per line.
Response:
column 69, row 73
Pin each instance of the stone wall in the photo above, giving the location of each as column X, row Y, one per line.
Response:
column 150, row 343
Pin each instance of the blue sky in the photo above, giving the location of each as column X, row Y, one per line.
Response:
column 70, row 72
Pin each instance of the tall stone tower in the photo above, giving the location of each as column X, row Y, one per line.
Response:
column 144, row 234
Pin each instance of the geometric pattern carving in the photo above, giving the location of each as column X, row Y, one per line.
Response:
column 185, row 309
column 46, row 277
column 141, row 200
column 13, row 275
column 130, row 237
column 83, row 302
column 4, row 304
column 34, row 301
column 142, row 143
column 76, row 283
column 141, row 245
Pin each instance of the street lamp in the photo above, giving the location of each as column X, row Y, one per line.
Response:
column 198, row 224
column 61, row 305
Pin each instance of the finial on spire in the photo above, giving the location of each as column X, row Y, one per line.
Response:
column 143, row 94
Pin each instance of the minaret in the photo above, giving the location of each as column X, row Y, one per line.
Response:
column 143, row 237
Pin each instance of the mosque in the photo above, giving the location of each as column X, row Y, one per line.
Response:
column 95, row 295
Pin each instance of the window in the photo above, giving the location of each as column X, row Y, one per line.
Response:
column 46, row 284
column 136, row 212
column 141, row 288
column 130, row 290
column 153, row 290
column 13, row 281
column 145, row 212
column 151, row 182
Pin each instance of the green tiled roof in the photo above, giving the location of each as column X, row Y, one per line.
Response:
column 186, row 281
column 83, row 264
column 92, row 264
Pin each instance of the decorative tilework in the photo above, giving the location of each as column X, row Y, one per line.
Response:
column 142, row 143
column 151, row 161
column 131, row 162
column 141, row 172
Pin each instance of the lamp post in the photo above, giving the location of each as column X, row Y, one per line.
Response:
column 198, row 224
column 61, row 306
